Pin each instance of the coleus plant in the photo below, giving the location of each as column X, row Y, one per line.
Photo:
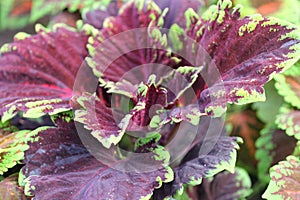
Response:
column 125, row 95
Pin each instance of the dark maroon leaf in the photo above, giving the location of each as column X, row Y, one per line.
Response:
column 100, row 119
column 195, row 166
column 246, row 53
column 137, row 114
column 58, row 166
column 149, row 99
column 124, row 49
column 226, row 186
column 37, row 72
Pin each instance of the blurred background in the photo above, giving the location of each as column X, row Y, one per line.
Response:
column 21, row 15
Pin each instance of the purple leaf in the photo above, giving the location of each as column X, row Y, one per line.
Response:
column 247, row 52
column 176, row 10
column 38, row 72
column 149, row 99
column 195, row 167
column 124, row 49
column 137, row 114
column 108, row 124
column 58, row 166
column 100, row 119
column 96, row 17
column 226, row 186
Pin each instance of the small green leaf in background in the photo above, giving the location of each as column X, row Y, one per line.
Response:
column 289, row 120
column 267, row 111
column 14, row 13
column 13, row 144
column 273, row 145
column 288, row 85
column 285, row 180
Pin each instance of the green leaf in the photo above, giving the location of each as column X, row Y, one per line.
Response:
column 273, row 145
column 283, row 9
column 14, row 14
column 288, row 85
column 267, row 111
column 13, row 145
column 285, row 180
column 288, row 120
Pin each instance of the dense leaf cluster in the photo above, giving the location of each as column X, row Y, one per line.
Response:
column 126, row 100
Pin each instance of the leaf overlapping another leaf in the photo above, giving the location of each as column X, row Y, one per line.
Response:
column 58, row 166
column 194, row 167
column 273, row 145
column 100, row 119
column 37, row 72
column 13, row 144
column 226, row 186
column 124, row 43
column 117, row 64
column 97, row 16
column 246, row 51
